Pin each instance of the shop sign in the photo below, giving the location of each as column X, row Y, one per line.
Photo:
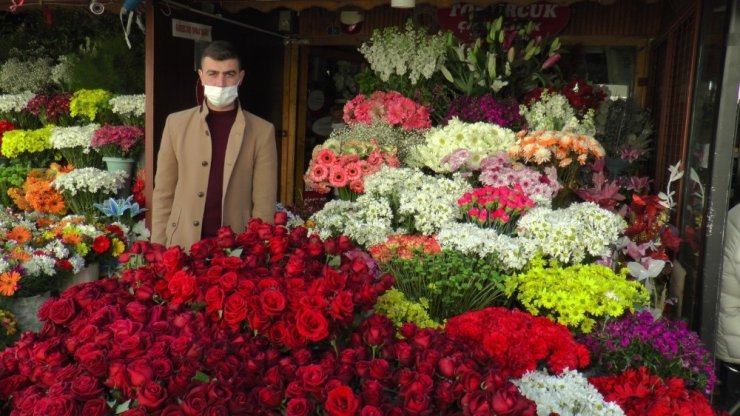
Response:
column 549, row 19
column 190, row 30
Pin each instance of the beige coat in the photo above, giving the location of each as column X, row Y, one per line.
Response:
column 728, row 328
column 183, row 166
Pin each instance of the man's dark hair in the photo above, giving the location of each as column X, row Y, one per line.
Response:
column 221, row 50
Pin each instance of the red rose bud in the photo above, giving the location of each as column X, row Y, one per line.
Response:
column 281, row 218
column 446, row 367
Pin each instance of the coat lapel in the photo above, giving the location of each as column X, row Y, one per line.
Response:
column 233, row 147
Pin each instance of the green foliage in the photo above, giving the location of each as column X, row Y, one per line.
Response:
column 12, row 175
column 622, row 125
column 451, row 281
column 109, row 65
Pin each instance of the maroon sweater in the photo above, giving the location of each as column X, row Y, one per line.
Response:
column 219, row 124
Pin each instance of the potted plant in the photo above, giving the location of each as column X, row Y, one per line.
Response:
column 119, row 145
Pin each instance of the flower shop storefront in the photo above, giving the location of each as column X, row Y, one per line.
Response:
column 477, row 228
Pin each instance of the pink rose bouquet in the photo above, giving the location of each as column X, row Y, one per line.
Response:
column 343, row 166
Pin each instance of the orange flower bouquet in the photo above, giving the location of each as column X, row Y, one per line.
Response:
column 564, row 150
column 37, row 194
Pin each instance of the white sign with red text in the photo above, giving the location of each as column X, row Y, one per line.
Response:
column 190, row 30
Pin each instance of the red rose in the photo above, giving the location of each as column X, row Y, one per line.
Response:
column 269, row 397
column 298, row 407
column 372, row 392
column 272, row 302
column 370, row 411
column 161, row 367
column 225, row 237
column 140, row 372
column 61, row 311
column 416, row 403
column 173, row 259
column 295, row 266
column 312, row 324
column 183, row 287
column 92, row 359
column 56, row 406
column 281, row 218
column 195, row 401
column 228, row 280
column 151, row 395
column 101, row 244
column 134, row 412
column 86, row 387
column 95, row 407
column 342, row 306
column 444, row 394
column 313, row 376
column 379, row 369
column 446, row 367
column 214, row 299
column 137, row 311
column 172, row 410
column 235, row 309
column 341, row 401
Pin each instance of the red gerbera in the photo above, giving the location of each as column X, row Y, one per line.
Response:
column 101, row 244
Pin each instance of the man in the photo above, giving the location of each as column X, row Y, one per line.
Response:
column 217, row 163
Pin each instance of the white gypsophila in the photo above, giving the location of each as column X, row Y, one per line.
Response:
column 4, row 266
column 569, row 234
column 14, row 102
column 73, row 136
column 431, row 201
column 568, row 394
column 78, row 263
column 370, row 223
column 480, row 139
column 91, row 180
column 410, row 53
column 554, row 112
column 513, row 252
column 422, row 202
column 18, row 76
column 40, row 265
column 61, row 72
column 128, row 105
column 366, row 221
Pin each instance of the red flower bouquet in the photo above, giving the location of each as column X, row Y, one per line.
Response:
column 639, row 393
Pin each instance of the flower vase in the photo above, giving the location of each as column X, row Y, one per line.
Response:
column 119, row 163
column 89, row 273
column 26, row 311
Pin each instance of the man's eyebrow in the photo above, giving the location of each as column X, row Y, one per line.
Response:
column 213, row 71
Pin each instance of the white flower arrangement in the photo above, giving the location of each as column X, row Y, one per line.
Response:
column 569, row 234
column 512, row 252
column 40, row 265
column 91, row 180
column 399, row 200
column 60, row 73
column 480, row 139
column 4, row 266
column 554, row 112
column 14, row 103
column 421, row 203
column 569, row 393
column 128, row 105
column 384, row 134
column 366, row 221
column 74, row 136
column 18, row 76
column 411, row 53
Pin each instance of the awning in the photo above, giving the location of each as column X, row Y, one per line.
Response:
column 267, row 5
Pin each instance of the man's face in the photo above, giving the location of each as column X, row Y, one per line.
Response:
column 220, row 73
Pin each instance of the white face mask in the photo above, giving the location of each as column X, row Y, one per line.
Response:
column 221, row 96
